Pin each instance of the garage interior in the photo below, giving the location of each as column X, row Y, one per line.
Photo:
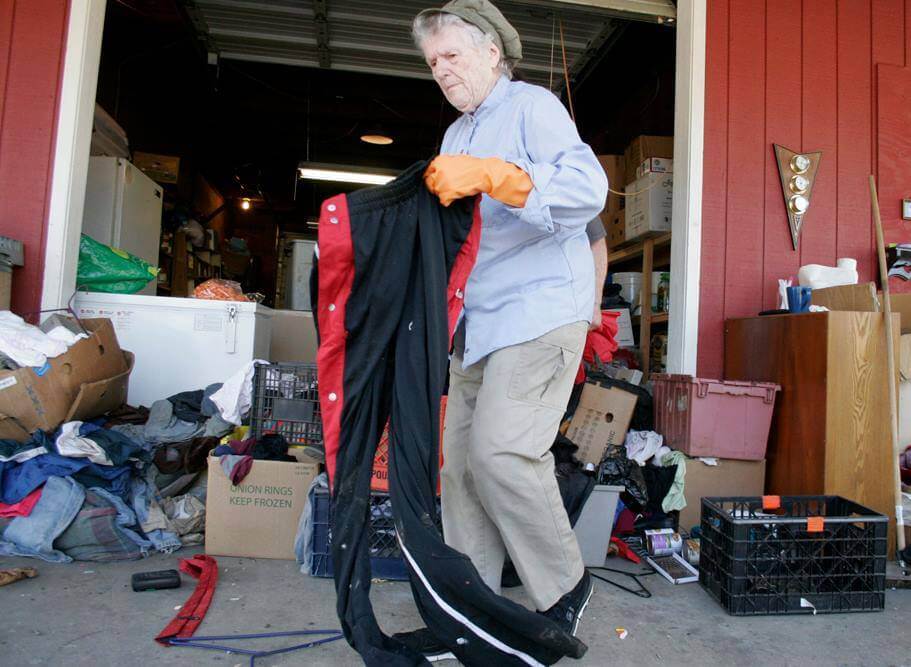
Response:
column 243, row 92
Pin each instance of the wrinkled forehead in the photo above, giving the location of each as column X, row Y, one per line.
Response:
column 445, row 40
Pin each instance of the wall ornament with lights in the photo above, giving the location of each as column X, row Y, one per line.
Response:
column 798, row 173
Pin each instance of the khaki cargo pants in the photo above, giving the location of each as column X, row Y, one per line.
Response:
column 499, row 491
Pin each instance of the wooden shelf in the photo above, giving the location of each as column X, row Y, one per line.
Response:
column 636, row 249
column 644, row 249
column 657, row 318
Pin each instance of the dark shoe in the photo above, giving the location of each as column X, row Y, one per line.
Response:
column 423, row 641
column 568, row 611
column 315, row 452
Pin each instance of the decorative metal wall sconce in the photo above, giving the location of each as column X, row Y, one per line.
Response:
column 798, row 173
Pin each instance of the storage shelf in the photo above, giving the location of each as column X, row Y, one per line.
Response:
column 644, row 251
column 657, row 318
column 635, row 250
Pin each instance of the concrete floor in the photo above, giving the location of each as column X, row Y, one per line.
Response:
column 86, row 614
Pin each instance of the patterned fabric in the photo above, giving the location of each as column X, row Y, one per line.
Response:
column 97, row 533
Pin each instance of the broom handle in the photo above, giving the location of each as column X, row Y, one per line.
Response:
column 890, row 353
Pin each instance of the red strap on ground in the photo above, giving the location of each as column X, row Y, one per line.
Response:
column 624, row 550
column 205, row 569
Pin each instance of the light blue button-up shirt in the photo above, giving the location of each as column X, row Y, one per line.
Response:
column 534, row 270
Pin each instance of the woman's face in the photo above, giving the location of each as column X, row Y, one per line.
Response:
column 465, row 73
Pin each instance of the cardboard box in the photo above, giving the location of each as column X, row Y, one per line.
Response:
column 649, row 205
column 602, row 419
column 160, row 168
column 728, row 478
column 615, row 168
column 257, row 518
column 616, row 229
column 293, row 337
column 655, row 165
column 646, row 146
column 88, row 380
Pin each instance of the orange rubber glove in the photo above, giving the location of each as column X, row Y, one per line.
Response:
column 452, row 177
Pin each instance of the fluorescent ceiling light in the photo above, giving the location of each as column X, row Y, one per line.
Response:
column 314, row 172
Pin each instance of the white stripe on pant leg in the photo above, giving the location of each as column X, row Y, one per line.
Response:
column 480, row 632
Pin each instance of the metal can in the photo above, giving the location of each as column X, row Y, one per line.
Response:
column 664, row 542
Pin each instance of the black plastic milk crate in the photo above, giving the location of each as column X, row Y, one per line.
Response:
column 286, row 401
column 822, row 553
column 385, row 556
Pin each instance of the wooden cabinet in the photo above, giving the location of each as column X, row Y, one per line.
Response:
column 830, row 432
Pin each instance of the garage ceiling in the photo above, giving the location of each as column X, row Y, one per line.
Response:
column 374, row 35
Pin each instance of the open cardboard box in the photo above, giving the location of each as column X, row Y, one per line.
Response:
column 257, row 518
column 88, row 380
column 602, row 419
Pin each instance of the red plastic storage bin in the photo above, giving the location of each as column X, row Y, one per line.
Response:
column 717, row 418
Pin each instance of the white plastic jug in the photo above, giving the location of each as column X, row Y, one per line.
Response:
column 818, row 276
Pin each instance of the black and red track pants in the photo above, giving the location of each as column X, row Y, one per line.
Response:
column 393, row 264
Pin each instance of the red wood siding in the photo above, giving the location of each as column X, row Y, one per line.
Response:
column 32, row 38
column 801, row 73
column 894, row 150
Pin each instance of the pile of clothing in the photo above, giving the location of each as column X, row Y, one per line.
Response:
column 114, row 488
column 22, row 344
column 237, row 456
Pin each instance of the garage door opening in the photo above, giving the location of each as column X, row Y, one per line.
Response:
column 242, row 94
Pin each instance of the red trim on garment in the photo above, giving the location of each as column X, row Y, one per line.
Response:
column 205, row 569
column 336, row 275
column 461, row 269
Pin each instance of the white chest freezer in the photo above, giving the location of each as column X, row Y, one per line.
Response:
column 181, row 344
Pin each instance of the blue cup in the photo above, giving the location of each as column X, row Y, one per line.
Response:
column 799, row 299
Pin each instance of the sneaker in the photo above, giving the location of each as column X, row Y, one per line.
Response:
column 568, row 611
column 315, row 452
column 423, row 641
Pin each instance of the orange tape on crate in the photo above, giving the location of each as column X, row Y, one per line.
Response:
column 815, row 524
column 771, row 502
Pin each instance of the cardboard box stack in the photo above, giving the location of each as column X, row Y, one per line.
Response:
column 649, row 204
column 643, row 147
column 646, row 168
column 649, row 186
column 613, row 214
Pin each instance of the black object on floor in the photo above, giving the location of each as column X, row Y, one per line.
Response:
column 155, row 581
column 640, row 590
column 755, row 552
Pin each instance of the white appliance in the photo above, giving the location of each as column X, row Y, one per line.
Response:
column 181, row 344
column 123, row 209
column 300, row 262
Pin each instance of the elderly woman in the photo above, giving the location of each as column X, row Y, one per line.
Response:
column 527, row 305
